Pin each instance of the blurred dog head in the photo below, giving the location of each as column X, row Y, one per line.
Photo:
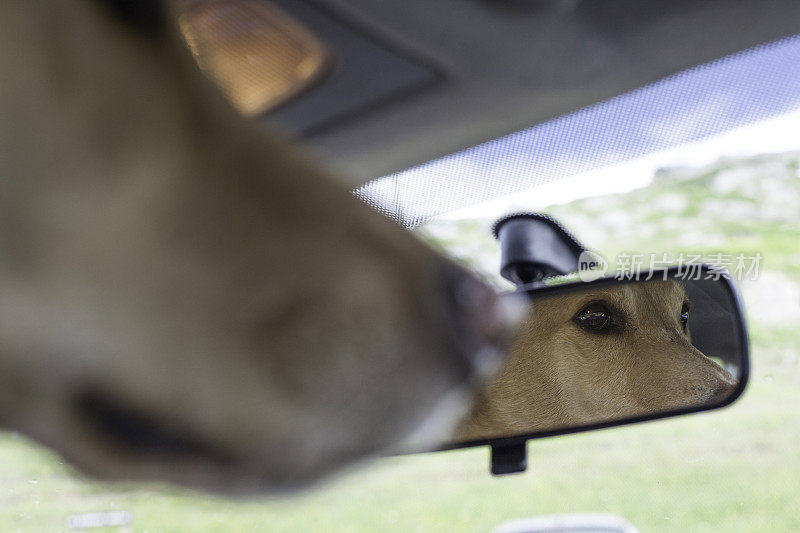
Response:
column 185, row 298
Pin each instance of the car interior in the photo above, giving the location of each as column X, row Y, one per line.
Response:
column 541, row 144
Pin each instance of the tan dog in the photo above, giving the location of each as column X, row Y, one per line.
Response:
column 183, row 298
column 599, row 355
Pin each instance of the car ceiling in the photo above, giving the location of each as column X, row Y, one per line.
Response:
column 416, row 80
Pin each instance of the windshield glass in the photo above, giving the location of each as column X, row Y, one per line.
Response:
column 693, row 105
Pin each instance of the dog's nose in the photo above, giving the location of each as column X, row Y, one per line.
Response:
column 722, row 392
column 483, row 322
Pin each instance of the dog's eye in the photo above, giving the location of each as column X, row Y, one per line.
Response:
column 594, row 317
column 685, row 316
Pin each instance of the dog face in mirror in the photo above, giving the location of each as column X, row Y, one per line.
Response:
column 596, row 355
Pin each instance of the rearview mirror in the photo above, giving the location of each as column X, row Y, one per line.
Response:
column 614, row 351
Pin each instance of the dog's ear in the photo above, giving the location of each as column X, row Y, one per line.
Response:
column 145, row 15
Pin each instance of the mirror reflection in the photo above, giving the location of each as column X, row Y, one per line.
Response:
column 608, row 350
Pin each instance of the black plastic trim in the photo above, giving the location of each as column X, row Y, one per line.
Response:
column 350, row 40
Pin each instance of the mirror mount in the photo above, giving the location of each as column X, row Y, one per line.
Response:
column 533, row 247
column 509, row 458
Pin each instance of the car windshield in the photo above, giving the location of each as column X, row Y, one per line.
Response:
column 686, row 108
column 709, row 167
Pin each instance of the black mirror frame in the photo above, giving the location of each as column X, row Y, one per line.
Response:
column 671, row 272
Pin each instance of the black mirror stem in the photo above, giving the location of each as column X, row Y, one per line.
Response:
column 509, row 459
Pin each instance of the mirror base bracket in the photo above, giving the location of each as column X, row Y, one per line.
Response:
column 510, row 459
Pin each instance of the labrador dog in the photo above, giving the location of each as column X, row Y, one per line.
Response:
column 605, row 354
column 184, row 297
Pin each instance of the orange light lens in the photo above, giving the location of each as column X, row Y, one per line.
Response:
column 258, row 55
